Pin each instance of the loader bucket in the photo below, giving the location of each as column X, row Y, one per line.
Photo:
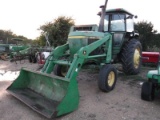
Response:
column 50, row 96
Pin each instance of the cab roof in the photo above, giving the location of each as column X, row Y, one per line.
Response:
column 117, row 10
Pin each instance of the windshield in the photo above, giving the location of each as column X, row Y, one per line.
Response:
column 117, row 22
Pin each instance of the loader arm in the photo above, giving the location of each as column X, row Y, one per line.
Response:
column 84, row 52
column 78, row 61
column 55, row 54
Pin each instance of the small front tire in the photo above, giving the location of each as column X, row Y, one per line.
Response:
column 107, row 78
column 147, row 92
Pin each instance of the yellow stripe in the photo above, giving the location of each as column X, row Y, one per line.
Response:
column 76, row 37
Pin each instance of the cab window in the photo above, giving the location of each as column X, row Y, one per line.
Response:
column 117, row 22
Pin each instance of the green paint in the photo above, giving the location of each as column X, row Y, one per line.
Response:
column 54, row 89
column 59, row 90
column 71, row 100
column 16, row 48
column 154, row 74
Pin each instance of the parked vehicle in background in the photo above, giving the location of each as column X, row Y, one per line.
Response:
column 151, row 88
column 42, row 56
column 150, row 58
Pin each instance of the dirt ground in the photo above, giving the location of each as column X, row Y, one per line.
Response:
column 123, row 103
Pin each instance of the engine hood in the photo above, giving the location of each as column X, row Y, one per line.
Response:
column 86, row 34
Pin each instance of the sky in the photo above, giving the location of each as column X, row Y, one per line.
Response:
column 24, row 17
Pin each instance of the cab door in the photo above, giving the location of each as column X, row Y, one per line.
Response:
column 117, row 27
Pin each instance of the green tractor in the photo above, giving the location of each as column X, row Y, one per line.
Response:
column 152, row 86
column 17, row 49
column 114, row 41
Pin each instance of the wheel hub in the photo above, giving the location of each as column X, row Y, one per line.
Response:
column 111, row 78
column 136, row 58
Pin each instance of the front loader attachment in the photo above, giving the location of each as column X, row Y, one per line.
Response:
column 52, row 95
column 49, row 95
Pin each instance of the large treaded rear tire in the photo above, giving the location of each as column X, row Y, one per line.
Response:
column 131, row 57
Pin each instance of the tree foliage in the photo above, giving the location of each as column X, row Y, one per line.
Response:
column 40, row 41
column 148, row 36
column 57, row 31
column 7, row 35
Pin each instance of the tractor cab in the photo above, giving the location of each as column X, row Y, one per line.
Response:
column 118, row 20
column 120, row 23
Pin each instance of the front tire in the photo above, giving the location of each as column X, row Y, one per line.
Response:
column 107, row 78
column 131, row 57
column 147, row 91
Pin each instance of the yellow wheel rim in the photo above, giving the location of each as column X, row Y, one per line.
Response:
column 136, row 58
column 111, row 78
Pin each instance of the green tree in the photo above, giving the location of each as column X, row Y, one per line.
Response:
column 156, row 40
column 146, row 32
column 7, row 35
column 57, row 30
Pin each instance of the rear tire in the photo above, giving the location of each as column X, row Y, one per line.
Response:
column 60, row 70
column 147, row 92
column 32, row 59
column 107, row 78
column 131, row 57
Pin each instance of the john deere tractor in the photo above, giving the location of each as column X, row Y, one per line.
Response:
column 114, row 41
